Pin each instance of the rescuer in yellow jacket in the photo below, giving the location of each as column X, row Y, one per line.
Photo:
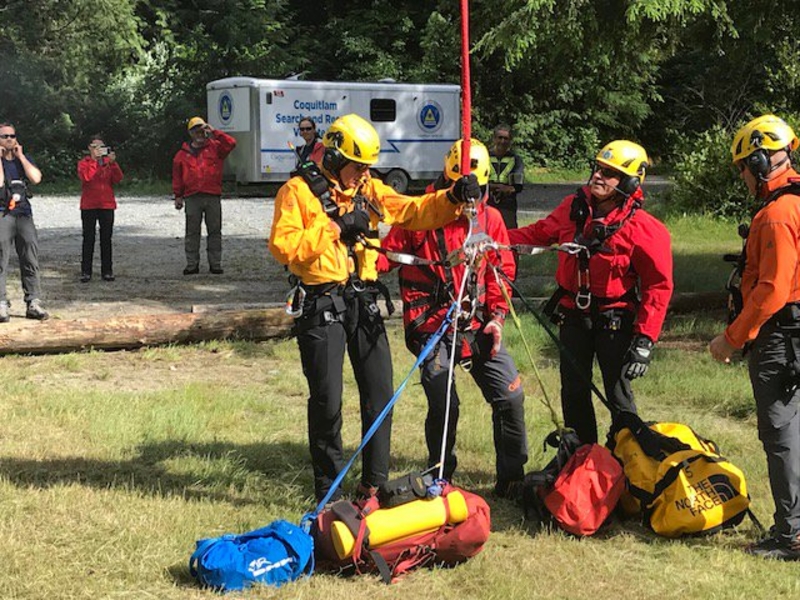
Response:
column 324, row 224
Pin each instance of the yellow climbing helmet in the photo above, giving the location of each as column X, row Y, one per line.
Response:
column 626, row 157
column 351, row 138
column 479, row 161
column 766, row 132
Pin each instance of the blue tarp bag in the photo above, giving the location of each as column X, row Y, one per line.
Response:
column 272, row 555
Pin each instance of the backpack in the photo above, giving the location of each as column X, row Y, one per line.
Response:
column 363, row 537
column 678, row 481
column 272, row 555
column 578, row 490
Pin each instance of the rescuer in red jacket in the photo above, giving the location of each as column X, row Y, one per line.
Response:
column 428, row 291
column 612, row 298
column 197, row 184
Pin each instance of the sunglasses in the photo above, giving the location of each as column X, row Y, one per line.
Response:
column 306, row 129
column 502, row 137
column 8, row 136
column 607, row 173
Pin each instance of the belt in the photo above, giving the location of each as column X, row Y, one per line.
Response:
column 788, row 315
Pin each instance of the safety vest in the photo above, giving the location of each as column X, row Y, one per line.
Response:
column 502, row 168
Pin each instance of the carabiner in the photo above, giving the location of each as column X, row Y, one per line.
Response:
column 295, row 300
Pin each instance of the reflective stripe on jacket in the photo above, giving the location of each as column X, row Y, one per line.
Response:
column 424, row 244
column 638, row 253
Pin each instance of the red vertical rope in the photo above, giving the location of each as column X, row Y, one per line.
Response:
column 466, row 95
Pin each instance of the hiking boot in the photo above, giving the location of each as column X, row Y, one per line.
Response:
column 775, row 549
column 510, row 490
column 4, row 306
column 191, row 270
column 35, row 311
column 216, row 270
column 108, row 277
column 86, row 277
column 364, row 491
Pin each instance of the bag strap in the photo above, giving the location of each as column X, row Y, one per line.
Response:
column 203, row 546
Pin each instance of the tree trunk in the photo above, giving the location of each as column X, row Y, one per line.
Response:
column 136, row 331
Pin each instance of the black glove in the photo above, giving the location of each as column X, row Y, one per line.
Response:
column 638, row 358
column 352, row 224
column 465, row 189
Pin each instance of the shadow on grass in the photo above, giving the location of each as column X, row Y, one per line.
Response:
column 226, row 468
column 229, row 472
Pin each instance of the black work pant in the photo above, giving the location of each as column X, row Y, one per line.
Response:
column 607, row 336
column 499, row 382
column 90, row 219
column 329, row 325
column 775, row 387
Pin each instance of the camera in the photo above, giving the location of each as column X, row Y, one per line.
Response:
column 104, row 150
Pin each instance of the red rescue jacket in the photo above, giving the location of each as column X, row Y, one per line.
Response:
column 425, row 289
column 638, row 253
column 201, row 173
column 97, row 183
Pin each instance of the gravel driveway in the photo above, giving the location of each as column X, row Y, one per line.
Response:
column 149, row 260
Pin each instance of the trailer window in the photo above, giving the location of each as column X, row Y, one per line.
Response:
column 382, row 110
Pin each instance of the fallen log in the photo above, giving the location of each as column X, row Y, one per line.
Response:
column 137, row 331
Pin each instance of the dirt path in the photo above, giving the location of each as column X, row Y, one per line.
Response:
column 149, row 260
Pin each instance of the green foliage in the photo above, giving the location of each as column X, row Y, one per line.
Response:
column 567, row 75
column 705, row 180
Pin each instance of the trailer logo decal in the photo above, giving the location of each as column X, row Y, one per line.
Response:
column 430, row 117
column 225, row 108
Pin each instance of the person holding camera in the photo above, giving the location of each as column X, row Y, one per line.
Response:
column 99, row 172
column 17, row 228
column 197, row 184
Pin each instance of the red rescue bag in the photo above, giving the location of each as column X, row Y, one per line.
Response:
column 447, row 544
column 578, row 490
column 586, row 491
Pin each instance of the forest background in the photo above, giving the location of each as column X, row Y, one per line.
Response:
column 676, row 75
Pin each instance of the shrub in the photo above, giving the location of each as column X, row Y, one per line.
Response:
column 705, row 180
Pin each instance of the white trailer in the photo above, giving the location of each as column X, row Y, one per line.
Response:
column 417, row 123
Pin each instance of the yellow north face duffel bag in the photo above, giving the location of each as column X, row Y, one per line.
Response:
column 678, row 480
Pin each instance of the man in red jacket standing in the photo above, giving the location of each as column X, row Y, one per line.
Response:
column 612, row 297
column 197, row 184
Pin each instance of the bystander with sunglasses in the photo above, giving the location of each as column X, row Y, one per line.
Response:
column 313, row 149
column 17, row 229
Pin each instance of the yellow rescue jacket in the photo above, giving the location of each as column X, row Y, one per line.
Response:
column 304, row 238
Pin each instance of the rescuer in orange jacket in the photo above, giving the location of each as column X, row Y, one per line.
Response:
column 428, row 291
column 324, row 224
column 612, row 298
column 769, row 321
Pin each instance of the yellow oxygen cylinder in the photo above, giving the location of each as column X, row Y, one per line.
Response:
column 388, row 525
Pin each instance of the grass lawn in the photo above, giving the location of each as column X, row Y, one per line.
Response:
column 113, row 464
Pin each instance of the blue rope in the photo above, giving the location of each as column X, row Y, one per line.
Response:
column 308, row 518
